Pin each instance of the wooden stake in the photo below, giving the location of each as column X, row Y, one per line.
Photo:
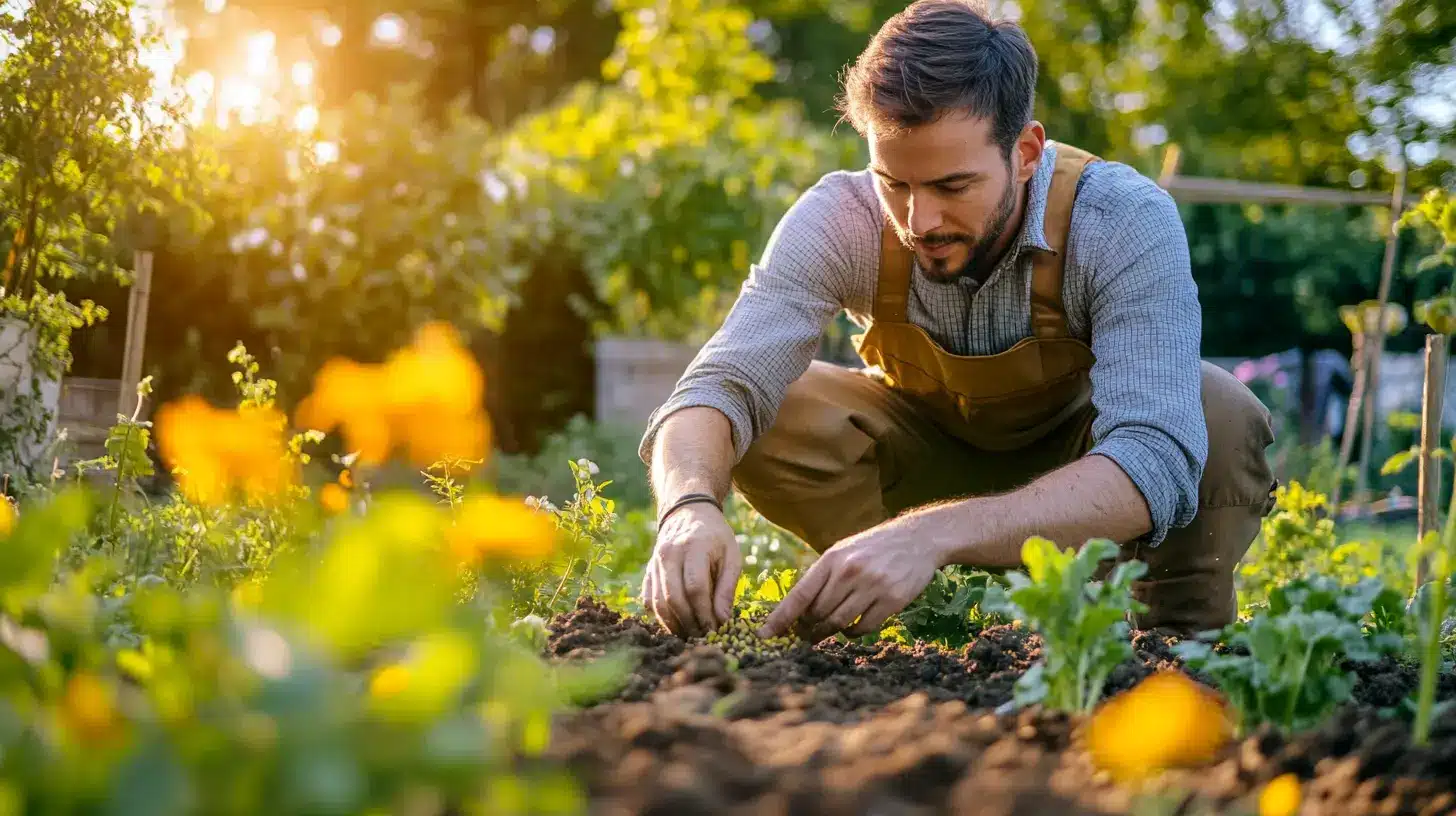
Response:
column 1433, row 398
column 136, row 333
column 1352, row 417
column 1387, row 270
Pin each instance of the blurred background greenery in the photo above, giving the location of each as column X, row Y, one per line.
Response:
column 548, row 173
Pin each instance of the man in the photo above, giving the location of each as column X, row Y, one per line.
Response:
column 1033, row 365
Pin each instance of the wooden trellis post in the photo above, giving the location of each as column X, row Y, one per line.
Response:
column 136, row 314
column 1433, row 398
column 1372, row 386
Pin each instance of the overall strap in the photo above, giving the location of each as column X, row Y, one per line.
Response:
column 892, row 291
column 1048, row 313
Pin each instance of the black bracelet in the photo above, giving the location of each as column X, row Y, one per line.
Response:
column 685, row 500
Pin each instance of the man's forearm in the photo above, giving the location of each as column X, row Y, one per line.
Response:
column 693, row 454
column 1089, row 498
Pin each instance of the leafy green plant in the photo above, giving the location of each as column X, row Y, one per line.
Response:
column 587, row 519
column 1285, row 666
column 1082, row 622
column 948, row 613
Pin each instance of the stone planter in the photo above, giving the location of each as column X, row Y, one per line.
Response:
column 635, row 376
column 29, row 403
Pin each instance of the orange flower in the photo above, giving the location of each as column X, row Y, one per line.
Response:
column 424, row 401
column 346, row 479
column 1167, row 720
column 333, row 499
column 1281, row 797
column 7, row 516
column 89, row 708
column 220, row 451
column 492, row 527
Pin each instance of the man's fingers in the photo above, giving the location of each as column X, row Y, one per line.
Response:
column 727, row 583
column 794, row 604
column 833, row 594
column 697, row 586
column 873, row 618
column 660, row 605
column 677, row 600
column 839, row 619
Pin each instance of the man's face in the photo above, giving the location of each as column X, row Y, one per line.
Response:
column 954, row 198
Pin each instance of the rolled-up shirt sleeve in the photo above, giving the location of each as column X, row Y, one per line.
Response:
column 1146, row 328
column 773, row 329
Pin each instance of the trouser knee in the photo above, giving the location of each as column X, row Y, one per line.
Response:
column 1190, row 580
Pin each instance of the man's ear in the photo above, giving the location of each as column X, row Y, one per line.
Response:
column 1026, row 156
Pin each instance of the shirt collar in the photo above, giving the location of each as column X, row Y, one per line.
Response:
column 1032, row 234
column 1033, row 221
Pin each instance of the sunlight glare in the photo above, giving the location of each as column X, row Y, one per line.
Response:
column 326, row 152
column 389, row 29
column 306, row 119
column 214, row 6
column 303, row 74
column 331, row 36
column 260, row 53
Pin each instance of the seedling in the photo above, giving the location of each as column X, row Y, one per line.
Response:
column 1082, row 622
column 948, row 612
column 1284, row 666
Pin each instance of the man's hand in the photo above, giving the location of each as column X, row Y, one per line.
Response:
column 870, row 576
column 694, row 569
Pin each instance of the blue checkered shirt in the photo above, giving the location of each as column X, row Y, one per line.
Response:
column 1129, row 293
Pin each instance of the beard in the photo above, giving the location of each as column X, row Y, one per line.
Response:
column 979, row 260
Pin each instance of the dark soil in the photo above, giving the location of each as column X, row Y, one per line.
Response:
column 843, row 728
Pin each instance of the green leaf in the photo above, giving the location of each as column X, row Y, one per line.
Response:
column 1400, row 461
column 27, row 559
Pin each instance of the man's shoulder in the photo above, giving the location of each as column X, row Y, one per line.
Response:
column 1114, row 187
column 843, row 193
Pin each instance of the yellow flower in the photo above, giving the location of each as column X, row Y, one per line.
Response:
column 7, row 516
column 333, row 499
column 222, row 451
column 389, row 681
column 492, row 527
column 89, row 708
column 1281, row 797
column 248, row 595
column 425, row 401
column 1165, row 721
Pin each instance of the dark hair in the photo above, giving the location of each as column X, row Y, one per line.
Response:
column 942, row 56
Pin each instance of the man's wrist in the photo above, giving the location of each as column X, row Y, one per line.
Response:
column 688, row 499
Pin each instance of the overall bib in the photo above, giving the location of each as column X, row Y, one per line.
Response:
column 851, row 449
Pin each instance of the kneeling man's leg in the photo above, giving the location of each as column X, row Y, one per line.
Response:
column 844, row 454
column 1190, row 580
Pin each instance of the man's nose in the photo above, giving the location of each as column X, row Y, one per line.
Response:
column 924, row 216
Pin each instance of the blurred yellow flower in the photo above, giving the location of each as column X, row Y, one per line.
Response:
column 88, row 708
column 425, row 401
column 7, row 516
column 1281, row 797
column 220, row 451
column 248, row 594
column 389, row 681
column 492, row 527
column 333, row 499
column 1167, row 720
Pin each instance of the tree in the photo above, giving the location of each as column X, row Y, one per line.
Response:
column 86, row 145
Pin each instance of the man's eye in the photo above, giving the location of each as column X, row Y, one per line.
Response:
column 957, row 190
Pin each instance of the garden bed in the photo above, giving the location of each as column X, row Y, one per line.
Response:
column 845, row 728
